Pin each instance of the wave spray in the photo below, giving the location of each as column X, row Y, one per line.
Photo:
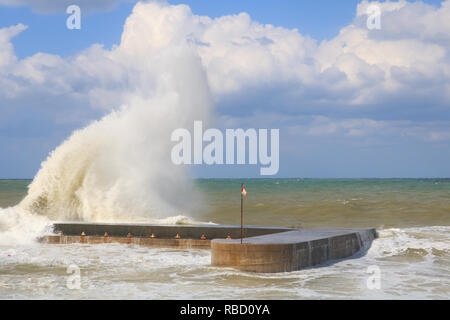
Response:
column 119, row 169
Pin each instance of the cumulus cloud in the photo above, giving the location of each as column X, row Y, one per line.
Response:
column 402, row 59
column 404, row 19
column 359, row 67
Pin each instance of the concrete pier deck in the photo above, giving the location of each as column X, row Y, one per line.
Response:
column 211, row 231
column 290, row 250
column 264, row 249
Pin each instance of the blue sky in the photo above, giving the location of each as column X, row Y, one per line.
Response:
column 334, row 123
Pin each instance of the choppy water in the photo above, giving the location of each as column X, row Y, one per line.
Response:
column 412, row 253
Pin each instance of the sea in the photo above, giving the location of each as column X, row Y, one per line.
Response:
column 409, row 260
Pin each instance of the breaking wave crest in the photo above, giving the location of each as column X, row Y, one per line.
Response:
column 420, row 243
column 119, row 168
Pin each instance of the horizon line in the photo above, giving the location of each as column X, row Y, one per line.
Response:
column 273, row 178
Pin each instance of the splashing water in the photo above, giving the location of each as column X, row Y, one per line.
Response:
column 119, row 169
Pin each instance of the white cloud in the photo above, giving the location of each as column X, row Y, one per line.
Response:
column 358, row 67
column 403, row 19
column 7, row 56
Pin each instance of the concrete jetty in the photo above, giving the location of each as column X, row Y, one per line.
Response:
column 263, row 248
column 290, row 250
column 212, row 231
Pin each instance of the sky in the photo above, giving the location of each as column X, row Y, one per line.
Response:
column 349, row 101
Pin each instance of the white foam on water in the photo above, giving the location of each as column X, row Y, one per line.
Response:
column 132, row 272
column 20, row 227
